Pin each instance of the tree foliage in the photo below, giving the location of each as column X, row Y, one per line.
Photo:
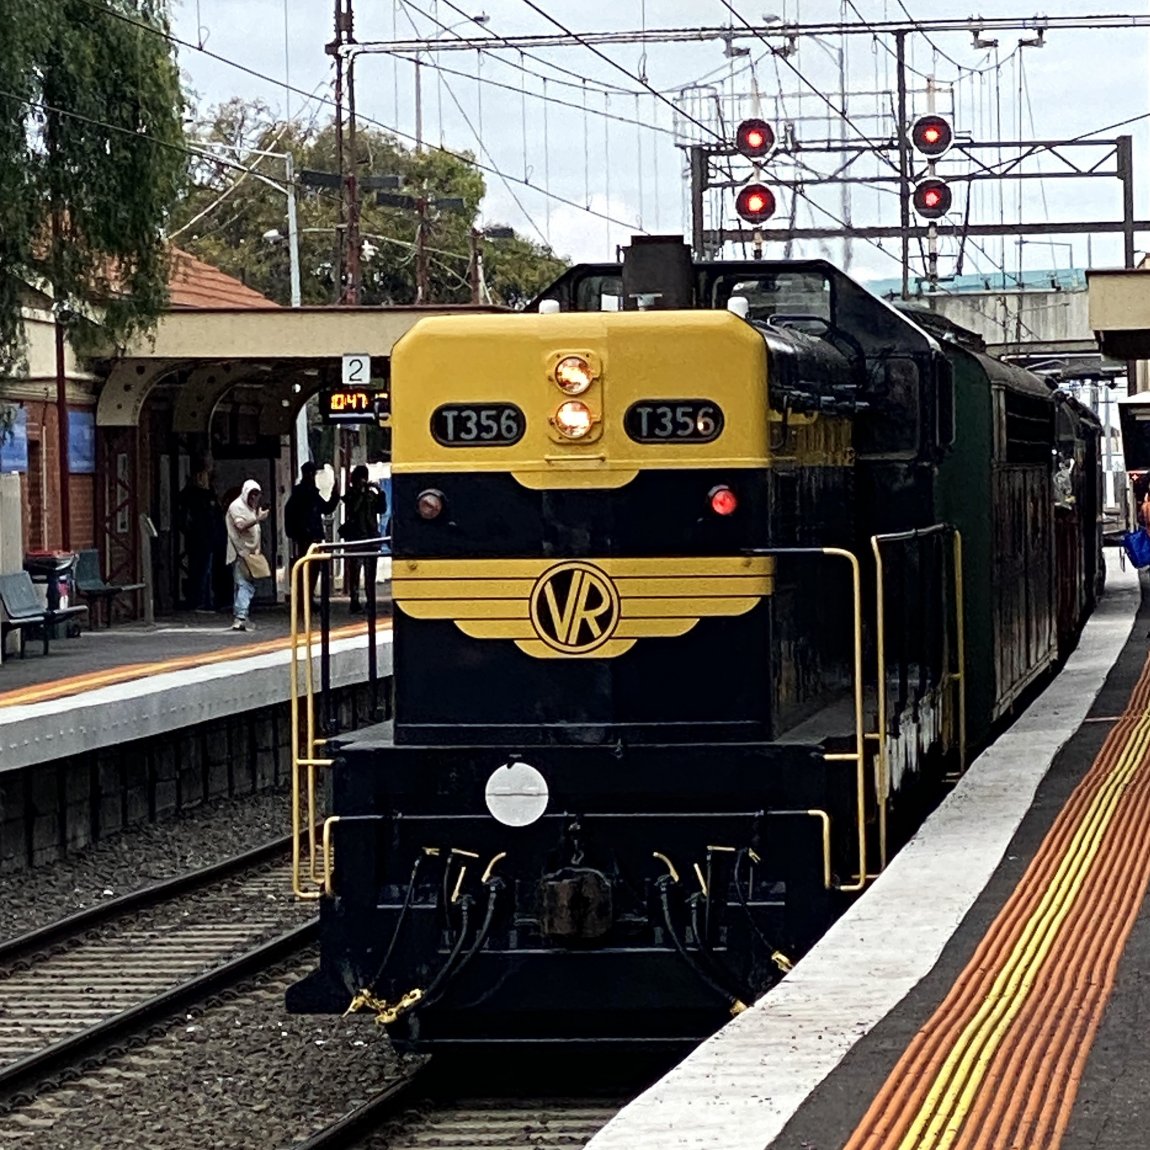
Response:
column 92, row 157
column 225, row 216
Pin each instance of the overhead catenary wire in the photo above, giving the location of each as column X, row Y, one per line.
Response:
column 552, row 68
column 620, row 67
column 807, row 83
column 478, row 134
column 470, row 161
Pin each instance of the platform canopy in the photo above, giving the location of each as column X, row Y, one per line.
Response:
column 1119, row 302
column 207, row 351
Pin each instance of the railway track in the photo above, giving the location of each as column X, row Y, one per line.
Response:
column 81, row 983
column 112, row 1020
column 493, row 1102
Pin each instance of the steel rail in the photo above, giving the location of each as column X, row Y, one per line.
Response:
column 42, row 937
column 346, row 1131
column 68, row 1051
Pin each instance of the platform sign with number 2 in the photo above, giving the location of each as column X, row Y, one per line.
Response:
column 356, row 370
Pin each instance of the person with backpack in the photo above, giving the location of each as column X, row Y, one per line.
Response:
column 363, row 505
column 303, row 517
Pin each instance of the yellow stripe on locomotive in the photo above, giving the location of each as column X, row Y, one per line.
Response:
column 580, row 608
column 580, row 399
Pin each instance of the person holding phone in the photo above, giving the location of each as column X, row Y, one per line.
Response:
column 248, row 563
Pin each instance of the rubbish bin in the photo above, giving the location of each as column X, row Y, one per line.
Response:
column 55, row 570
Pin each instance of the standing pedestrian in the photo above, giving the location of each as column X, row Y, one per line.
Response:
column 303, row 517
column 363, row 505
column 200, row 514
column 248, row 563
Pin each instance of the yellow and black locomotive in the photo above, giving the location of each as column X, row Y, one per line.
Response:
column 705, row 575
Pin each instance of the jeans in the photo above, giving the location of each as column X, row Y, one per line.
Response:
column 245, row 589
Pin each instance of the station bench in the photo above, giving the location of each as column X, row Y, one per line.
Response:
column 91, row 585
column 23, row 609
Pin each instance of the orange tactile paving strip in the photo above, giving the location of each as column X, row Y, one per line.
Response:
column 998, row 1065
column 77, row 684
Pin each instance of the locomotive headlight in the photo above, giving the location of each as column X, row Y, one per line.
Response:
column 573, row 419
column 574, row 375
column 429, row 504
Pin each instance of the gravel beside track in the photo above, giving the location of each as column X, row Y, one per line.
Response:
column 140, row 857
column 47, row 997
column 239, row 1073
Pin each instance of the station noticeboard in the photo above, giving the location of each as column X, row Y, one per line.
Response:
column 14, row 443
column 82, row 442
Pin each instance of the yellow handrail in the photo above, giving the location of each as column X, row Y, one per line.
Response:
column 958, row 677
column 825, row 819
column 303, row 639
column 299, row 589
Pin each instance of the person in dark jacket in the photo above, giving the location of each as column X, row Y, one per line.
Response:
column 303, row 517
column 363, row 505
column 201, row 522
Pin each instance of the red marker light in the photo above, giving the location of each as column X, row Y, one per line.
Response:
column 723, row 500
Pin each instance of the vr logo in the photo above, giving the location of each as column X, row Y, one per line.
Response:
column 574, row 608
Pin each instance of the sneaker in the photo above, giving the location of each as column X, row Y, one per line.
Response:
column 240, row 625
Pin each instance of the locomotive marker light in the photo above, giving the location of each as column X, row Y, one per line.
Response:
column 932, row 199
column 574, row 375
column 755, row 139
column 516, row 794
column 932, row 136
column 723, row 500
column 755, row 203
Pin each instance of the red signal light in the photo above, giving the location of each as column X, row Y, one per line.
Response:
column 931, row 135
column 754, row 139
column 723, row 500
column 755, row 203
column 932, row 199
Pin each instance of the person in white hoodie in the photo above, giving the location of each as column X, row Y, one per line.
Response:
column 243, row 521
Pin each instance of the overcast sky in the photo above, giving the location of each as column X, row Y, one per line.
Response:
column 627, row 167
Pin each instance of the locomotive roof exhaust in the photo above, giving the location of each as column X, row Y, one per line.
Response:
column 657, row 274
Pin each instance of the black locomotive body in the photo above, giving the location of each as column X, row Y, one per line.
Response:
column 682, row 633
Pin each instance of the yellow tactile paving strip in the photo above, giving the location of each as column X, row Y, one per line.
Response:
column 998, row 1065
column 77, row 684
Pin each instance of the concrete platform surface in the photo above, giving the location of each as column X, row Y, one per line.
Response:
column 109, row 687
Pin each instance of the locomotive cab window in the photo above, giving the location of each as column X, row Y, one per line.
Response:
column 792, row 293
column 890, row 428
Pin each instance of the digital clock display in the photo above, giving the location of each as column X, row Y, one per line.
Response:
column 353, row 404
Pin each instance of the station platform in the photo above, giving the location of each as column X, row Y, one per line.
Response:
column 988, row 991
column 130, row 682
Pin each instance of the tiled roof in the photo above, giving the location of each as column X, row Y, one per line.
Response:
column 194, row 283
